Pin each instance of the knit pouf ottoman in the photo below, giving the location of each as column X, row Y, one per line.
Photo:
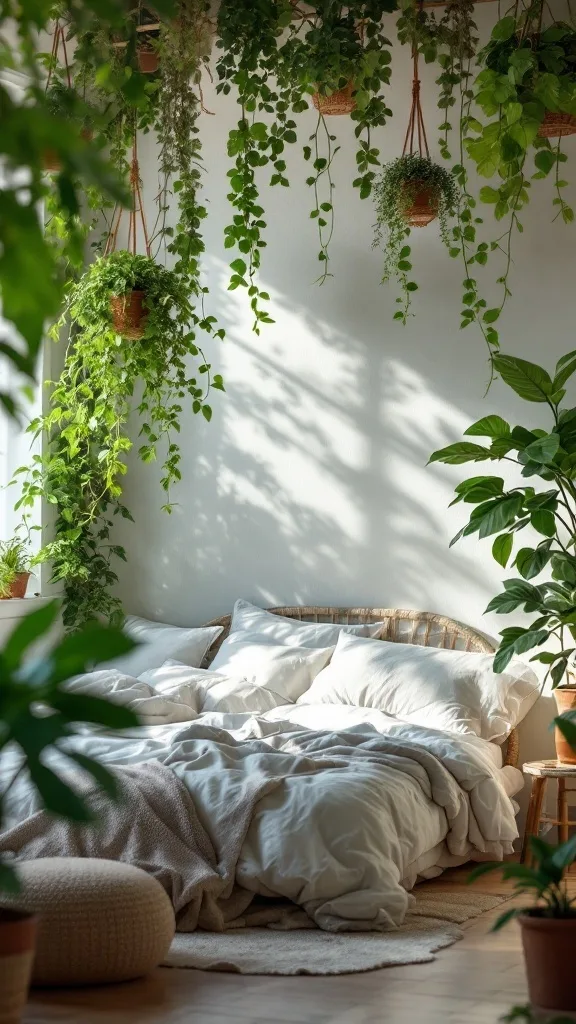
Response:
column 100, row 921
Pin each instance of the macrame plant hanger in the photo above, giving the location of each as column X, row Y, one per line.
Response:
column 423, row 210
column 128, row 311
column 50, row 158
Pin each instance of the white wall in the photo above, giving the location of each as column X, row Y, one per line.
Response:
column 310, row 485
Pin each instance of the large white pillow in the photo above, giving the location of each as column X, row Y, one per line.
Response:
column 158, row 642
column 455, row 691
column 206, row 690
column 287, row 671
column 279, row 629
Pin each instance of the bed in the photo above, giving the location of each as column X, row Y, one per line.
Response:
column 347, row 805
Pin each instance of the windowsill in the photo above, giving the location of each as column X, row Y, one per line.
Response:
column 18, row 607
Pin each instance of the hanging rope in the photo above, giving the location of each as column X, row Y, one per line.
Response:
column 416, row 125
column 58, row 39
column 136, row 212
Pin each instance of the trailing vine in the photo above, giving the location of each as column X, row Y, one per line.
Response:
column 86, row 427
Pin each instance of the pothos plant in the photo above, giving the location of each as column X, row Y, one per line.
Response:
column 86, row 427
column 527, row 73
column 400, row 183
column 543, row 456
column 277, row 55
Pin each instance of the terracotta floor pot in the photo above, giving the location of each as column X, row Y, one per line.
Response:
column 556, row 126
column 339, row 102
column 17, row 940
column 147, row 60
column 129, row 315
column 18, row 588
column 565, row 701
column 550, row 955
column 424, row 208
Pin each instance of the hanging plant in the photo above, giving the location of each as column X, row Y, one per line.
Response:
column 411, row 192
column 86, row 428
column 526, row 92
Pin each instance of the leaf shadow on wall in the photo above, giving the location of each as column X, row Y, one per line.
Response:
column 310, row 484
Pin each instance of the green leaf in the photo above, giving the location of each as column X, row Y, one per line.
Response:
column 531, row 561
column 56, row 796
column 528, row 380
column 80, row 651
column 489, row 426
column 502, row 548
column 565, row 367
column 29, row 629
column 495, row 515
column 544, row 522
column 529, row 639
column 79, row 707
column 105, row 779
column 503, row 657
column 504, row 29
column 544, row 449
column 479, row 489
column 462, row 451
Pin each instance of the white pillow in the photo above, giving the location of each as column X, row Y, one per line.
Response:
column 288, row 671
column 455, row 691
column 205, row 690
column 158, row 642
column 279, row 629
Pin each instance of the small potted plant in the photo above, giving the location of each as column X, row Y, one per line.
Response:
column 14, row 568
column 548, row 925
column 411, row 192
column 565, row 695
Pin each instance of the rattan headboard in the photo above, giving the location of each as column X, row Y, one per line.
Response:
column 401, row 626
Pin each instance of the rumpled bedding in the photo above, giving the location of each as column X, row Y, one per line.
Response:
column 352, row 801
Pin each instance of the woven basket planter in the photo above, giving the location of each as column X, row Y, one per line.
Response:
column 556, row 126
column 147, row 60
column 129, row 315
column 340, row 102
column 424, row 208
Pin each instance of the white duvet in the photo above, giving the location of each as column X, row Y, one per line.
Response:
column 341, row 842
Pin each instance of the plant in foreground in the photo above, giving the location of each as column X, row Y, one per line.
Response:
column 411, row 192
column 38, row 715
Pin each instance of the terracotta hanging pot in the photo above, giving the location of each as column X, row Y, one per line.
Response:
column 129, row 315
column 17, row 589
column 51, row 161
column 549, row 951
column 556, row 126
column 565, row 701
column 17, row 942
column 148, row 61
column 339, row 102
column 423, row 208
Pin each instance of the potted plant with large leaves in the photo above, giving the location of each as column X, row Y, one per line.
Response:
column 14, row 568
column 545, row 457
column 548, row 926
column 411, row 192
column 29, row 688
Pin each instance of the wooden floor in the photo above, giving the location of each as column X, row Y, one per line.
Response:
column 473, row 982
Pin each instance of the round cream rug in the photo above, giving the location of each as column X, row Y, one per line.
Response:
column 431, row 925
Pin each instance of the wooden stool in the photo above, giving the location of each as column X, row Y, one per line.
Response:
column 541, row 771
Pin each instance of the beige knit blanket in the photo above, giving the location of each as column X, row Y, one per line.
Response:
column 155, row 826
